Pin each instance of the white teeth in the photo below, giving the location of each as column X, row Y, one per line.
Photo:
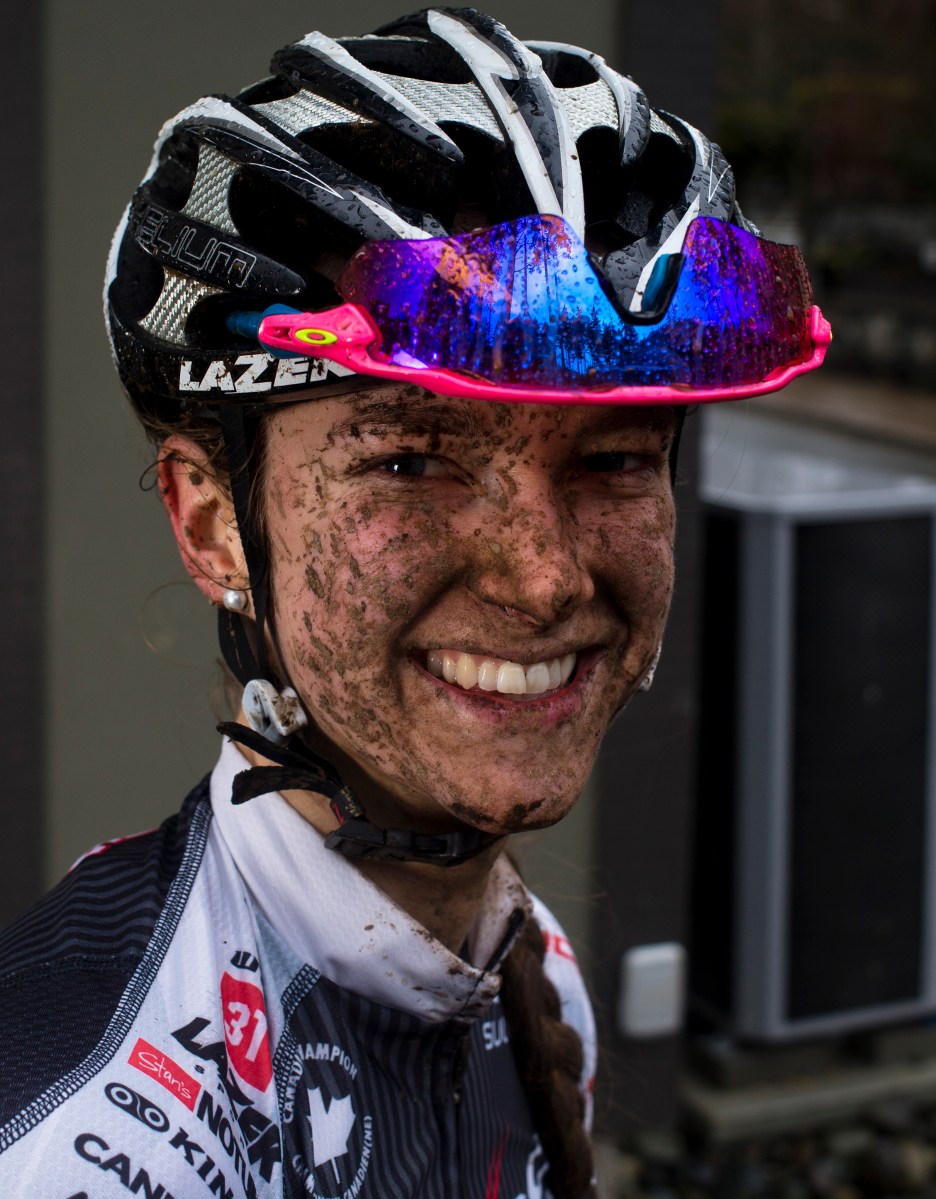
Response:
column 466, row 672
column 494, row 674
column 511, row 679
column 487, row 675
column 537, row 679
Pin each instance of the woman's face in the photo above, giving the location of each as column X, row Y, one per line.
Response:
column 499, row 546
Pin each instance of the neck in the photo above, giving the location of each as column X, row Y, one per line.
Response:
column 444, row 900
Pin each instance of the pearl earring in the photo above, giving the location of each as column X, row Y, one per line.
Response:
column 234, row 600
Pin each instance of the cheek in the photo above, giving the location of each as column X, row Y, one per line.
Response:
column 388, row 561
column 634, row 554
column 350, row 577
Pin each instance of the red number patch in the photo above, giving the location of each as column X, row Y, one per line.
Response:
column 245, row 1031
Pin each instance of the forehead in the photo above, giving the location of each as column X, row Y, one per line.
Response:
column 414, row 412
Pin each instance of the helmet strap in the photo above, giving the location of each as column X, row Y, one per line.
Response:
column 302, row 769
column 680, row 412
column 246, row 656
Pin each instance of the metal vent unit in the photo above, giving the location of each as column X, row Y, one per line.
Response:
column 814, row 892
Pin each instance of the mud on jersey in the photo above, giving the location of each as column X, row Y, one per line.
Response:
column 224, row 1007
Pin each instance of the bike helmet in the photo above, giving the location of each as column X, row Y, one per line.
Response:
column 443, row 204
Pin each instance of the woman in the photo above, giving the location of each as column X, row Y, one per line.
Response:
column 500, row 277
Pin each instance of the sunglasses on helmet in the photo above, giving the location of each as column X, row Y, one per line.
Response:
column 518, row 312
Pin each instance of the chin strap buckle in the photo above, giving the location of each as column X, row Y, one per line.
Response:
column 275, row 715
column 358, row 838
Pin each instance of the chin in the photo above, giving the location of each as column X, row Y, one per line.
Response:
column 515, row 812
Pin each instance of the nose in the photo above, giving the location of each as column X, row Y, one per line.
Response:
column 528, row 554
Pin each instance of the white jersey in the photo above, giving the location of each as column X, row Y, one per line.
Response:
column 225, row 1007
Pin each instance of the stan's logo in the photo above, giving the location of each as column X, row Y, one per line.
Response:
column 152, row 1061
column 245, row 1031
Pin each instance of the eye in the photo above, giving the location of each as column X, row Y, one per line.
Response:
column 409, row 465
column 627, row 471
column 412, row 466
column 613, row 462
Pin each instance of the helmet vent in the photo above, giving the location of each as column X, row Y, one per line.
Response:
column 589, row 107
column 304, row 110
column 168, row 317
column 656, row 184
column 409, row 57
column 208, row 199
column 564, row 69
column 284, row 227
column 274, row 87
column 658, row 125
column 604, row 184
column 406, row 173
column 491, row 188
column 460, row 102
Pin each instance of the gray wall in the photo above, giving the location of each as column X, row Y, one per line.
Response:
column 22, row 631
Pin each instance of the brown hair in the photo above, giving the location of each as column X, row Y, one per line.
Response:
column 548, row 1054
column 207, row 435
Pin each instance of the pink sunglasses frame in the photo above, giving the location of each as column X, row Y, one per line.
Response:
column 345, row 335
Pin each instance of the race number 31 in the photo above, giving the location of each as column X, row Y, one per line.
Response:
column 245, row 1031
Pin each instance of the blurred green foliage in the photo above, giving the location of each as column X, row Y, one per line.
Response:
column 821, row 100
column 827, row 111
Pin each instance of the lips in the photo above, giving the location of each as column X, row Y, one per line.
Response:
column 479, row 672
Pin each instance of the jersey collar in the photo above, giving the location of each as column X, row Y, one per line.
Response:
column 339, row 922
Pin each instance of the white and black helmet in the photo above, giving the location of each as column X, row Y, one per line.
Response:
column 435, row 124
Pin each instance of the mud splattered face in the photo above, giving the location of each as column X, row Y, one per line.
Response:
column 465, row 593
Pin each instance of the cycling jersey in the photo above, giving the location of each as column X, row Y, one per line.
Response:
column 225, row 1007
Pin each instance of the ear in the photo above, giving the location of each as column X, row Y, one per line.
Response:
column 202, row 517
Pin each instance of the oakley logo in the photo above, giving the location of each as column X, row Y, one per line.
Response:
column 251, row 373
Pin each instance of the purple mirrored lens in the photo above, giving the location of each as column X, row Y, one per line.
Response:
column 521, row 304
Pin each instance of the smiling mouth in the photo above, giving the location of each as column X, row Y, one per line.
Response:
column 474, row 672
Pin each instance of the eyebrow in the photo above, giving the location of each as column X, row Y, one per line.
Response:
column 418, row 419
column 659, row 419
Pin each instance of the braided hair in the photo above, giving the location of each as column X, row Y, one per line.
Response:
column 549, row 1058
